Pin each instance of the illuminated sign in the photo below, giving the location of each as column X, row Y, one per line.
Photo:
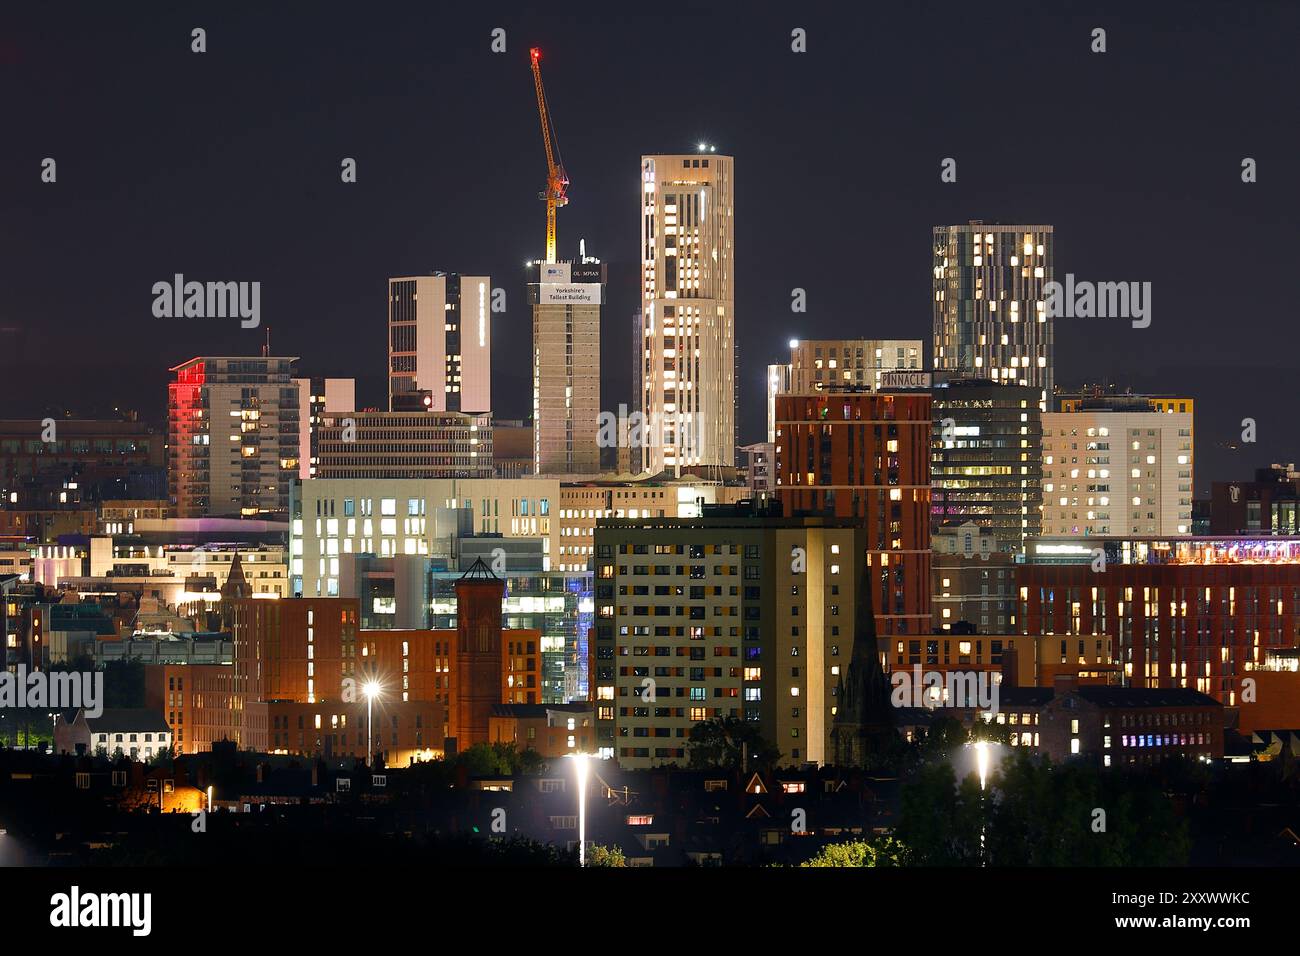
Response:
column 901, row 378
column 584, row 293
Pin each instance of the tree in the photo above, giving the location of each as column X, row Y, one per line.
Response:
column 721, row 742
column 885, row 851
column 940, row 821
column 598, row 855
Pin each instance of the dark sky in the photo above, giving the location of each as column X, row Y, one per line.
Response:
column 225, row 166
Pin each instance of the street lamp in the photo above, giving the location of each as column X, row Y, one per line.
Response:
column 580, row 765
column 982, row 761
column 371, row 689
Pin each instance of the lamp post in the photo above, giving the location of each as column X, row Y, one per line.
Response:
column 982, row 763
column 371, row 689
column 580, row 766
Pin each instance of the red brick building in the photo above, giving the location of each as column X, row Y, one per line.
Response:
column 1113, row 726
column 553, row 730
column 305, row 660
column 1177, row 624
column 866, row 456
column 195, row 701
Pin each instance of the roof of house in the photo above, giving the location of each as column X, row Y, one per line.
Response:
column 128, row 720
column 1106, row 696
column 1103, row 695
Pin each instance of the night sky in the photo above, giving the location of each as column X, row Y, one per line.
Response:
column 225, row 166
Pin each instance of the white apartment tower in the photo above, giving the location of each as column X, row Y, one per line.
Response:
column 688, row 380
column 1116, row 471
column 440, row 342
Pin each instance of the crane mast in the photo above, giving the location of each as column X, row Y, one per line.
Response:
column 557, row 181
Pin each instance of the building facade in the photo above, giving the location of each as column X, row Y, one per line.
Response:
column 986, row 464
column 566, row 300
column 1199, row 613
column 688, row 311
column 440, row 341
column 316, row 398
column 728, row 615
column 972, row 582
column 1119, row 469
column 233, row 436
column 405, row 445
column 990, row 303
column 866, row 456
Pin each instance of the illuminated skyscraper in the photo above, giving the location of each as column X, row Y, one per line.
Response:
column 232, row 440
column 990, row 307
column 440, row 341
column 688, row 326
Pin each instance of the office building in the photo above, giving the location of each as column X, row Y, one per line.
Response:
column 986, row 464
column 405, row 444
column 233, row 436
column 990, row 304
column 866, row 456
column 566, row 300
column 318, row 397
column 688, row 311
column 440, row 341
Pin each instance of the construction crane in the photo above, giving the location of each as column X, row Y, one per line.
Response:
column 557, row 181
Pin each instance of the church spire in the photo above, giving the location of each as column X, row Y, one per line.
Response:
column 863, row 715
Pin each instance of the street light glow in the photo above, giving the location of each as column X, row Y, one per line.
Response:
column 580, row 766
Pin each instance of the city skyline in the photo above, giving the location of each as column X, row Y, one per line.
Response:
column 1105, row 197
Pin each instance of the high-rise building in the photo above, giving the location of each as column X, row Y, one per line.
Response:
column 820, row 364
column 663, row 664
column 233, row 436
column 316, row 397
column 1117, row 466
column 688, row 305
column 866, row 456
column 440, row 341
column 778, row 383
column 990, row 303
column 986, row 465
column 566, row 300
column 828, row 364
